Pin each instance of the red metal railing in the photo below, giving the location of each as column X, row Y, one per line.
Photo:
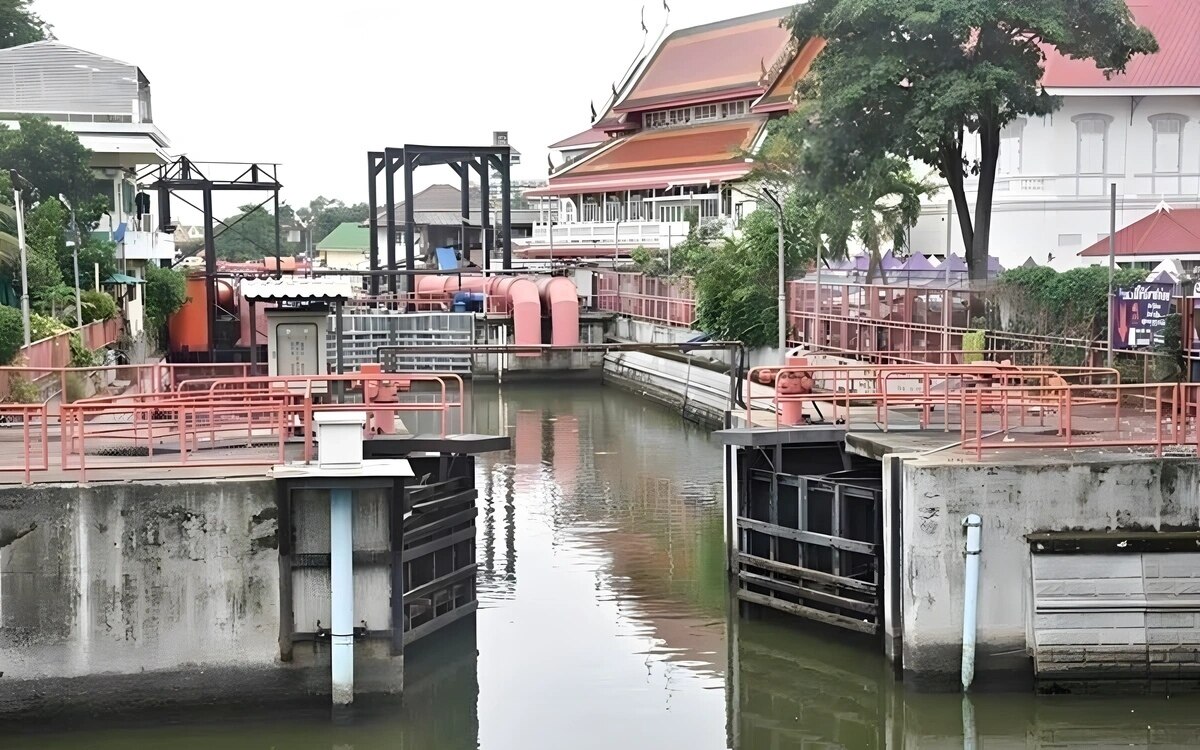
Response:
column 670, row 302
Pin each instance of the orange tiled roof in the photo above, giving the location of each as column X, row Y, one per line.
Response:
column 724, row 58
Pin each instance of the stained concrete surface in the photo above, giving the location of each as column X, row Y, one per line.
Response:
column 125, row 578
column 1014, row 501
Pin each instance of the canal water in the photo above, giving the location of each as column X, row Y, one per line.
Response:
column 604, row 623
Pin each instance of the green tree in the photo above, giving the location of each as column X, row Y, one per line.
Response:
column 51, row 158
column 165, row 292
column 45, row 242
column 20, row 25
column 917, row 78
column 322, row 215
column 250, row 235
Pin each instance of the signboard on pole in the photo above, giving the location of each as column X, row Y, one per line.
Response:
column 1140, row 314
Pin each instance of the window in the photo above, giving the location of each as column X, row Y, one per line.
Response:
column 1168, row 143
column 706, row 112
column 1011, row 141
column 733, row 109
column 1092, row 148
column 655, row 120
column 680, row 116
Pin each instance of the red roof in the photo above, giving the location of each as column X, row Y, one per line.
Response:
column 1176, row 26
column 779, row 96
column 1164, row 232
column 656, row 159
column 589, row 137
column 728, row 58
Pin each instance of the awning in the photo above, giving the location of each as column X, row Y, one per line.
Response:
column 120, row 278
column 128, row 151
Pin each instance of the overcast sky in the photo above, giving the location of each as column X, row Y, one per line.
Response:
column 315, row 85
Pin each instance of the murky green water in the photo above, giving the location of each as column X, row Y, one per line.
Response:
column 603, row 624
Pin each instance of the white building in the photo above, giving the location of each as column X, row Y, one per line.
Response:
column 1139, row 130
column 106, row 103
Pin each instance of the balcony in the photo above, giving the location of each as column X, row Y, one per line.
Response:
column 625, row 234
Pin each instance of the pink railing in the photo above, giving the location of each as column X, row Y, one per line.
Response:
column 666, row 301
column 56, row 350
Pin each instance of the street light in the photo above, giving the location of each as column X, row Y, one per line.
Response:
column 782, row 264
column 19, row 185
column 74, row 242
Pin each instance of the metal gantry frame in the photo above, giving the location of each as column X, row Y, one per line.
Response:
column 184, row 175
column 463, row 160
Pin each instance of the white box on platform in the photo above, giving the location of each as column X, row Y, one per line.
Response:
column 340, row 439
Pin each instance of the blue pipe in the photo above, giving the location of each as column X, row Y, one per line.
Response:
column 974, row 526
column 341, row 594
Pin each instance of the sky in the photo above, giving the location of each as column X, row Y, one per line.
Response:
column 315, row 85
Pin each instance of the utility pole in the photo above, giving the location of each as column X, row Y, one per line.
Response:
column 20, row 184
column 1112, row 265
column 75, row 257
column 782, row 273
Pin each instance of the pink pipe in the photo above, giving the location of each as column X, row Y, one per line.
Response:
column 561, row 300
column 506, row 294
column 522, row 295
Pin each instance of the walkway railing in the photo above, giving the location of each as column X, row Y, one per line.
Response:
column 182, row 416
column 666, row 301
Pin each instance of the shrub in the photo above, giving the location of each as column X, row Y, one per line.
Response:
column 22, row 391
column 81, row 356
column 12, row 334
column 43, row 327
column 165, row 293
column 97, row 306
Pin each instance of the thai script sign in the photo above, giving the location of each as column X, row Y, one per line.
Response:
column 1140, row 314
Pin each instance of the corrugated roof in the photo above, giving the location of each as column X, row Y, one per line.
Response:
column 1176, row 26
column 296, row 289
column 1164, row 232
column 727, row 57
column 347, row 236
column 695, row 146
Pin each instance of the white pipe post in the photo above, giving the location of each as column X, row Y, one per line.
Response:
column 24, row 264
column 1112, row 266
column 974, row 526
column 341, row 587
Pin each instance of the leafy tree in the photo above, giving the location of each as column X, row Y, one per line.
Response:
column 322, row 215
column 876, row 207
column 165, row 292
column 51, row 158
column 95, row 252
column 97, row 306
column 12, row 334
column 20, row 25
column 916, row 78
column 45, row 241
column 250, row 235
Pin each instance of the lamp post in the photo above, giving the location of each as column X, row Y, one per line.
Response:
column 778, row 205
column 75, row 257
column 20, row 184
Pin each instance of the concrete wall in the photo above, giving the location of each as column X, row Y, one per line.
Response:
column 137, row 577
column 696, row 392
column 1014, row 500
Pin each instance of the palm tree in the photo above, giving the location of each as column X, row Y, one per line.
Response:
column 877, row 209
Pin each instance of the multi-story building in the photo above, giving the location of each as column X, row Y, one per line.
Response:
column 1139, row 130
column 673, row 144
column 106, row 104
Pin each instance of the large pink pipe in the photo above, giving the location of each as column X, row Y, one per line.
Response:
column 526, row 311
column 506, row 294
column 562, row 301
